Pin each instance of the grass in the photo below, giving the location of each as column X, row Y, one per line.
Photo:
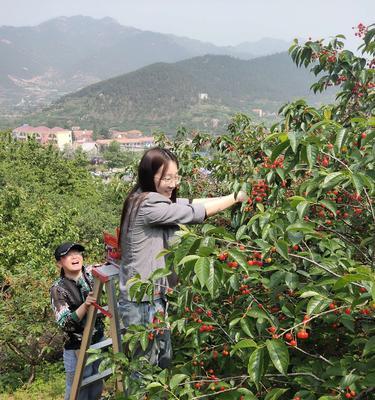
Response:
column 48, row 385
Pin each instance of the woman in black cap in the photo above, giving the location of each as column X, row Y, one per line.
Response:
column 71, row 296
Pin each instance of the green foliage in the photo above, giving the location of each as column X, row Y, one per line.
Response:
column 49, row 384
column 277, row 299
column 118, row 158
column 45, row 199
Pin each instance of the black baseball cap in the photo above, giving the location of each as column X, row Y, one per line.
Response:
column 64, row 249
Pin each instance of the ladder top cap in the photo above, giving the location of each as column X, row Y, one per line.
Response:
column 106, row 272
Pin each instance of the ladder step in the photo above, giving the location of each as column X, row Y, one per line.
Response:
column 102, row 345
column 96, row 377
column 105, row 343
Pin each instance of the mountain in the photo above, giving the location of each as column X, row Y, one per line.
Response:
column 263, row 47
column 163, row 95
column 59, row 56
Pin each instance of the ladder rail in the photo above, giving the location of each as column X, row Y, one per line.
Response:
column 85, row 343
column 104, row 276
column 115, row 326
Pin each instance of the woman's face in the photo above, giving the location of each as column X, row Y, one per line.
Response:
column 167, row 183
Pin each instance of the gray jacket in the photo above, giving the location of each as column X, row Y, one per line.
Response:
column 154, row 225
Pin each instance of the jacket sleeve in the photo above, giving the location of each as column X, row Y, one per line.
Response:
column 65, row 318
column 159, row 210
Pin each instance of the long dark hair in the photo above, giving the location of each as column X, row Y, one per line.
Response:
column 152, row 160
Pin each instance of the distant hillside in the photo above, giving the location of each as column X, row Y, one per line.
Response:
column 41, row 63
column 163, row 94
column 262, row 47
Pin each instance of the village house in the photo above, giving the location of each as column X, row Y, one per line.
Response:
column 129, row 144
column 132, row 140
column 44, row 135
column 132, row 134
column 82, row 136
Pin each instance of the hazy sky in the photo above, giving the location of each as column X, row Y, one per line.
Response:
column 223, row 22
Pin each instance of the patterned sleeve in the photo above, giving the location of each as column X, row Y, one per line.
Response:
column 65, row 318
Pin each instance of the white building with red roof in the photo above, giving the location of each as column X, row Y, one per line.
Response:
column 82, row 136
column 58, row 136
column 130, row 144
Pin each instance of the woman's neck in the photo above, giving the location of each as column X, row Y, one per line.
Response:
column 73, row 276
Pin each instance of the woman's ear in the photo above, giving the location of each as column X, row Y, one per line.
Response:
column 59, row 265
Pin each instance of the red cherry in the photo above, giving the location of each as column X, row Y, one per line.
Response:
column 302, row 334
column 288, row 336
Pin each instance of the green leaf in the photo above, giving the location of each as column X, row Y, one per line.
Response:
column 302, row 227
column 257, row 365
column 242, row 229
column 369, row 346
column 275, row 393
column 245, row 326
column 176, row 380
column 234, row 322
column 244, row 344
column 247, row 394
column 302, row 208
column 295, row 200
column 292, row 136
column 332, row 179
column 309, row 293
column 330, row 205
column 279, row 149
column 188, row 258
column 159, row 273
column 282, row 248
column 343, row 281
column 212, row 281
column 144, row 340
column 183, row 248
column 153, row 385
column 312, row 154
column 238, row 256
column 357, row 182
column 316, row 305
column 348, row 322
column 279, row 355
column 134, row 289
column 340, row 138
column 202, row 270
column 349, row 379
column 291, row 279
